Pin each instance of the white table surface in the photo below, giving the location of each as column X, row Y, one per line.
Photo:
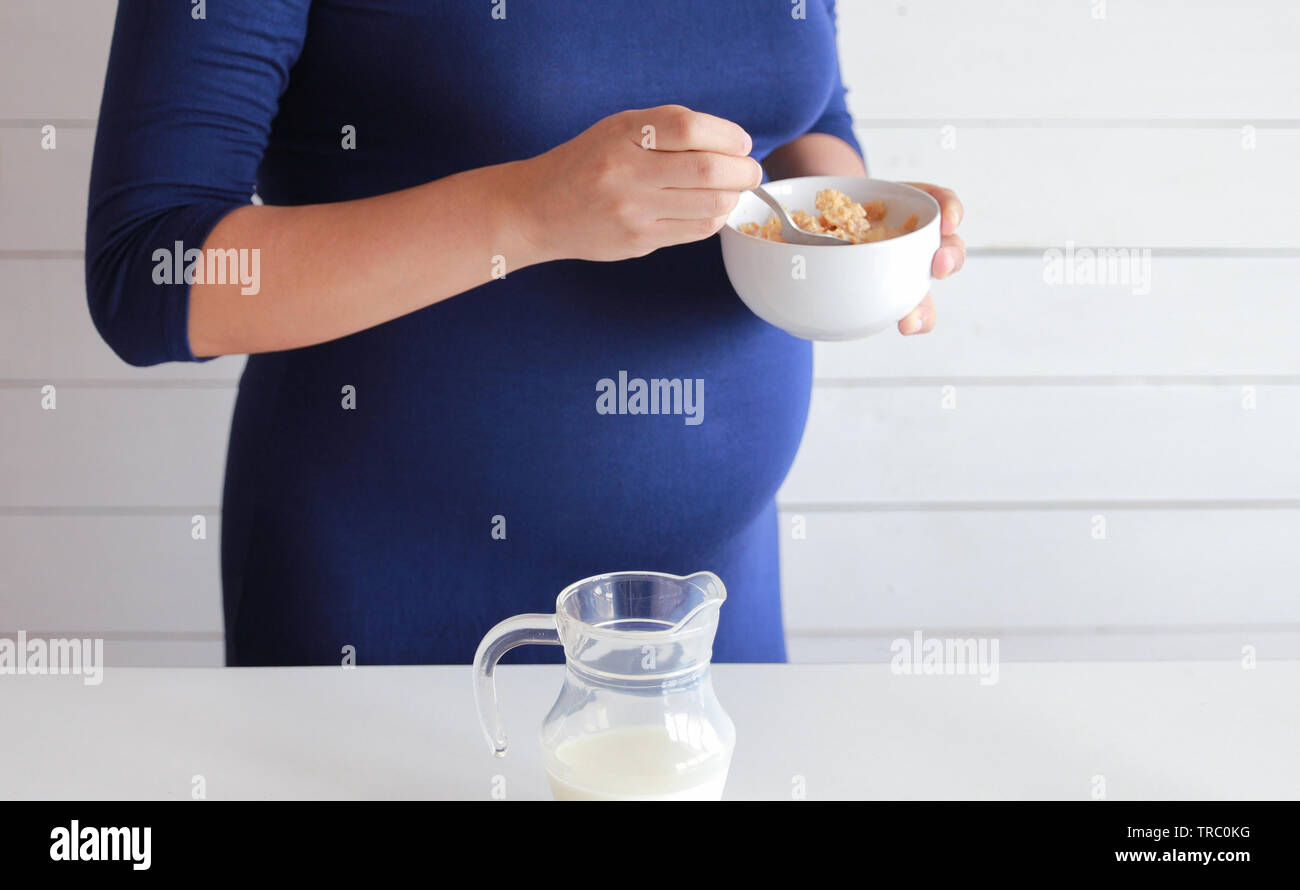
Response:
column 1164, row 730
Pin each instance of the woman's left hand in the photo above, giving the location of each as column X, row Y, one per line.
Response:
column 949, row 258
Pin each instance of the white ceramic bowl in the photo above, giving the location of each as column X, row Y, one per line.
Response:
column 846, row 291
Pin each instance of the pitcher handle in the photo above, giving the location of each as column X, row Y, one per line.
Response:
column 520, row 630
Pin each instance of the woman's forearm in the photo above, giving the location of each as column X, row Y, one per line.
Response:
column 328, row 270
column 814, row 154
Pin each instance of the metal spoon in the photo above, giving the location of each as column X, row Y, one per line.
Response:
column 789, row 231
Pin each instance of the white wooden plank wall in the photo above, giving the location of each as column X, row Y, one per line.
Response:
column 952, row 483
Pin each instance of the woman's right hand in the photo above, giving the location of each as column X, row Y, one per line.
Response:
column 634, row 182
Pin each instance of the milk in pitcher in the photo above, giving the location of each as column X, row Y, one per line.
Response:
column 635, row 763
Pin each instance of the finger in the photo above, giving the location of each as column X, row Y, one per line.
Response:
column 684, row 231
column 950, row 256
column 920, row 320
column 693, row 203
column 951, row 211
column 677, row 128
column 706, row 169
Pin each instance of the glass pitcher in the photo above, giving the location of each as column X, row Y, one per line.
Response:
column 636, row 718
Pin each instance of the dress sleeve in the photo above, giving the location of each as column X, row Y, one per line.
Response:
column 183, row 124
column 835, row 119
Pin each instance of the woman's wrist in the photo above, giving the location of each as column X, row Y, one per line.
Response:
column 521, row 234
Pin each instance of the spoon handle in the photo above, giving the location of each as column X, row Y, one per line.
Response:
column 769, row 200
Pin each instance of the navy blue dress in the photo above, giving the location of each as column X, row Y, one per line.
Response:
column 373, row 526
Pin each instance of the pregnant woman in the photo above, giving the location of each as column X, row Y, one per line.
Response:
column 465, row 228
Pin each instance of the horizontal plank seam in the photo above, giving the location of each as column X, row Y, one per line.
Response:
column 35, row 123
column 992, row 251
column 883, row 382
column 1027, row 506
column 90, row 511
column 42, row 254
column 1032, row 506
column 145, row 636
column 1047, row 630
column 136, row 636
column 1078, row 123
column 120, row 383
column 902, row 123
column 1034, row 251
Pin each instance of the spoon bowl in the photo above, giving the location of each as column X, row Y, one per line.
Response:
column 791, row 232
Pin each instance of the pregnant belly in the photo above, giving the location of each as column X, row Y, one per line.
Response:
column 580, row 406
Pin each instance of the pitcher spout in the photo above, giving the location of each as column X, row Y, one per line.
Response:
column 712, row 594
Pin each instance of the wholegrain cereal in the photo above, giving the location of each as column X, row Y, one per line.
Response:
column 840, row 216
